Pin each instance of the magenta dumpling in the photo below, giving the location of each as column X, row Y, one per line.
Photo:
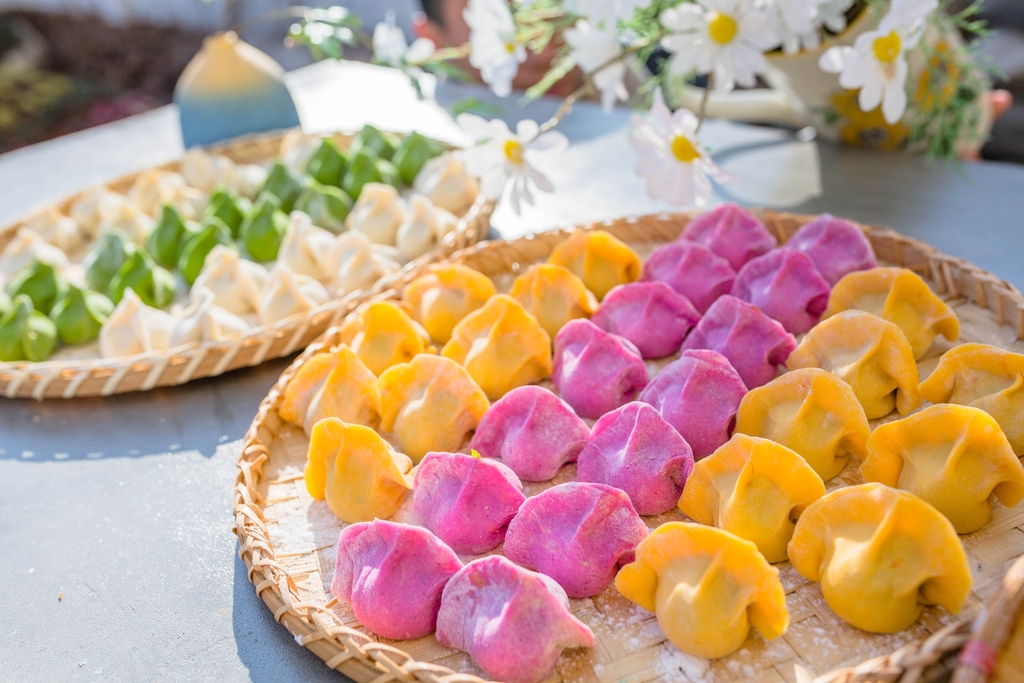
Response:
column 578, row 533
column 595, row 371
column 392, row 576
column 533, row 432
column 651, row 315
column 752, row 342
column 699, row 395
column 733, row 233
column 468, row 502
column 786, row 286
column 836, row 247
column 691, row 269
column 514, row 623
column 635, row 449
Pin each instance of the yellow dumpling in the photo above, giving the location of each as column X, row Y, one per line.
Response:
column 870, row 354
column 985, row 377
column 446, row 295
column 304, row 385
column 382, row 335
column 880, row 555
column 706, row 586
column 753, row 488
column 601, row 260
column 356, row 471
column 554, row 295
column 502, row 346
column 953, row 457
column 812, row 412
column 900, row 296
column 430, row 404
column 350, row 393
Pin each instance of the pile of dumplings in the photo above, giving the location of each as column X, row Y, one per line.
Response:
column 216, row 248
column 495, row 454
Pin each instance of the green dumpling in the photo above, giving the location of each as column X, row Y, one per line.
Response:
column 154, row 285
column 388, row 173
column 283, row 184
column 264, row 228
column 328, row 206
column 106, row 258
column 42, row 283
column 193, row 256
column 414, row 151
column 327, row 166
column 26, row 334
column 231, row 208
column 80, row 314
column 169, row 236
column 362, row 169
column 371, row 138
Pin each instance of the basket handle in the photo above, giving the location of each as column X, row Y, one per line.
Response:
column 977, row 661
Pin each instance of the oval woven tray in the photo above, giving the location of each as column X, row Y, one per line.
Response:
column 142, row 372
column 288, row 541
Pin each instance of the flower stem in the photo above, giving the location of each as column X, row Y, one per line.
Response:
column 704, row 101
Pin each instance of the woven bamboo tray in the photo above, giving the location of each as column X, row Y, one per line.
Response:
column 142, row 372
column 288, row 540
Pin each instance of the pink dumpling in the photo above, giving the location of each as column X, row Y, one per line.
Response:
column 785, row 285
column 578, row 533
column 752, row 342
column 596, row 372
column 652, row 315
column 691, row 269
column 836, row 247
column 698, row 395
column 392, row 576
column 634, row 449
column 533, row 432
column 514, row 623
column 468, row 502
column 733, row 233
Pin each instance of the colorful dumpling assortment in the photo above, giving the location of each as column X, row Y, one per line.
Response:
column 514, row 623
column 836, row 247
column 392, row 576
column 651, row 315
column 870, row 354
column 430, row 404
column 955, row 458
column 691, row 269
column 985, row 377
column 785, row 285
column 752, row 342
column 446, row 295
column 335, row 384
column 553, row 295
column 577, row 533
column 698, row 395
column 467, row 501
column 356, row 471
column 900, row 296
column 634, row 449
column 733, row 233
column 754, row 488
column 600, row 259
column 502, row 346
column 383, row 335
column 706, row 586
column 812, row 412
column 596, row 372
column 533, row 432
column 880, row 556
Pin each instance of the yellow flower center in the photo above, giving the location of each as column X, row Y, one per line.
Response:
column 514, row 151
column 887, row 48
column 722, row 28
column 510, row 47
column 683, row 149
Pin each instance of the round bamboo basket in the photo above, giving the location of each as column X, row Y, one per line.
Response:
column 288, row 540
column 142, row 372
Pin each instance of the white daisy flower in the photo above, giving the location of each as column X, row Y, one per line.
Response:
column 677, row 169
column 796, row 24
column 391, row 48
column 494, row 47
column 592, row 48
column 832, row 14
column 725, row 38
column 877, row 62
column 605, row 12
column 499, row 156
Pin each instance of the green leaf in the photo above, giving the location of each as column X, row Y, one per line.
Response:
column 555, row 74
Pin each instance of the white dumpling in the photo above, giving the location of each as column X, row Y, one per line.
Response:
column 360, row 263
column 287, row 294
column 93, row 207
column 205, row 171
column 134, row 328
column 203, row 321
column 28, row 246
column 247, row 179
column 306, row 249
column 235, row 282
column 378, row 213
column 445, row 181
column 154, row 188
column 297, row 149
column 56, row 228
column 189, row 201
column 131, row 220
column 424, row 227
